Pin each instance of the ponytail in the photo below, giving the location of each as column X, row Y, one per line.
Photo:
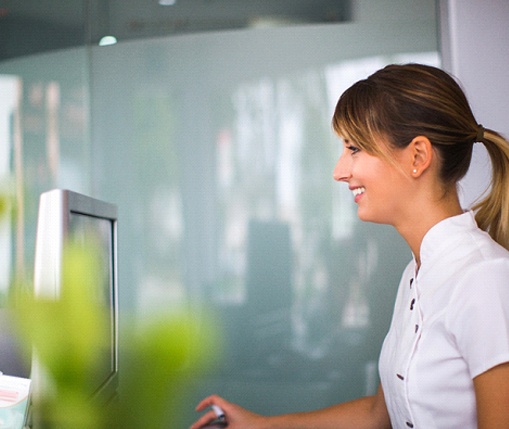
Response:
column 492, row 212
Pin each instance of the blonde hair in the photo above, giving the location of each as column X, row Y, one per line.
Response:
column 492, row 212
column 400, row 102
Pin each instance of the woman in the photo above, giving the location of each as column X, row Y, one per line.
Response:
column 408, row 135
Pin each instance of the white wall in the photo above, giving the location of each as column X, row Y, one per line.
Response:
column 475, row 48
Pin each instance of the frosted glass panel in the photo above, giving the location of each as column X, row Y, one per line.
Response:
column 44, row 143
column 218, row 150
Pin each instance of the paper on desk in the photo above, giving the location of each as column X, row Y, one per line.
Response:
column 14, row 401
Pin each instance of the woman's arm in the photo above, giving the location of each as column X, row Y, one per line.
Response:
column 365, row 413
column 492, row 397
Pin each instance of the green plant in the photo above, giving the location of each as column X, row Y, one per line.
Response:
column 158, row 356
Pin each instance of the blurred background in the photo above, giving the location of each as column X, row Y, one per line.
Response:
column 208, row 123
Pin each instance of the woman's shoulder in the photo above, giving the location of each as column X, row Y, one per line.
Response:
column 485, row 277
column 484, row 247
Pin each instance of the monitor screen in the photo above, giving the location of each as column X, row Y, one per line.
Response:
column 97, row 233
column 89, row 223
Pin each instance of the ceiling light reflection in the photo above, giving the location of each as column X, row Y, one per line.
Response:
column 107, row 41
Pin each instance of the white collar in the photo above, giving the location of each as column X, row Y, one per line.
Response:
column 445, row 234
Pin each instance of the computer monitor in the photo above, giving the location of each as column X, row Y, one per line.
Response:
column 63, row 215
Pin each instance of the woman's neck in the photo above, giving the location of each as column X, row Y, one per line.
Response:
column 415, row 228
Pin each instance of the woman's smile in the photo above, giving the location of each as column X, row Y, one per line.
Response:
column 358, row 192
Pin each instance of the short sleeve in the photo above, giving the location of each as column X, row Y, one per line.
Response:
column 478, row 316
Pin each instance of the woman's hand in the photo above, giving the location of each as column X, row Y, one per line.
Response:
column 236, row 416
column 369, row 412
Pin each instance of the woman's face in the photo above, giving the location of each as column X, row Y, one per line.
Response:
column 380, row 188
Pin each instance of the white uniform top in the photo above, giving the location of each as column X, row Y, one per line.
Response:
column 450, row 324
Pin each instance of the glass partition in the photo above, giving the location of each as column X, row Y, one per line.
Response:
column 218, row 150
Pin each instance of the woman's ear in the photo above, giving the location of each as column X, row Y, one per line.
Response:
column 421, row 152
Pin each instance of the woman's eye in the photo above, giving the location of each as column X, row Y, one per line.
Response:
column 353, row 149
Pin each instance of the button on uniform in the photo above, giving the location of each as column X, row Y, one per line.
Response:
column 409, row 335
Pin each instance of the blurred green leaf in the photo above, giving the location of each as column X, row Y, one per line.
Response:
column 159, row 356
column 51, row 324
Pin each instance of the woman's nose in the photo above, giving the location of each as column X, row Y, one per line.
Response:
column 341, row 171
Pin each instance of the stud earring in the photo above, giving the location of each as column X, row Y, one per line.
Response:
column 415, row 171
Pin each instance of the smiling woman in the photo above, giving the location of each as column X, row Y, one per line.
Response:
column 449, row 333
column 397, row 102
